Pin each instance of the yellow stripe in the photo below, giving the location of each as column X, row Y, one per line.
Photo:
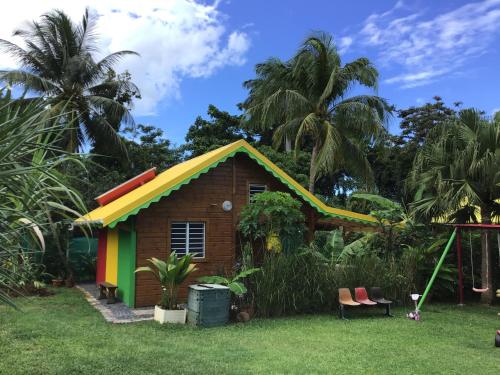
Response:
column 112, row 257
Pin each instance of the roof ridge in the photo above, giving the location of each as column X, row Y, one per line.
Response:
column 180, row 174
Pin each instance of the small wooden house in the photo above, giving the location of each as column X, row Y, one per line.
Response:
column 193, row 207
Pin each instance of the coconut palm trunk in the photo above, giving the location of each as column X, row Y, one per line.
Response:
column 486, row 259
column 288, row 144
column 313, row 170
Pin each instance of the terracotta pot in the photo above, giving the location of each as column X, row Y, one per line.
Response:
column 57, row 282
column 249, row 309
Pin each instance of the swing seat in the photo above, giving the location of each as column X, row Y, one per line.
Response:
column 480, row 290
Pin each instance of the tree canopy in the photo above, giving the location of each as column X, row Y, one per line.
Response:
column 58, row 65
column 305, row 98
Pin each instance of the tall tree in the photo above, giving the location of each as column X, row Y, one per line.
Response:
column 392, row 157
column 417, row 122
column 307, row 97
column 58, row 65
column 456, row 171
column 221, row 129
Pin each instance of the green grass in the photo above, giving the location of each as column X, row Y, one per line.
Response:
column 63, row 334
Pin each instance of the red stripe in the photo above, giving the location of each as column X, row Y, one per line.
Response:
column 126, row 187
column 101, row 256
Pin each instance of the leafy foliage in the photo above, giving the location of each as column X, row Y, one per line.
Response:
column 306, row 282
column 146, row 148
column 457, row 171
column 306, row 98
column 458, row 168
column 392, row 156
column 417, row 122
column 35, row 193
column 58, row 65
column 273, row 212
column 170, row 274
column 234, row 283
column 207, row 135
column 296, row 165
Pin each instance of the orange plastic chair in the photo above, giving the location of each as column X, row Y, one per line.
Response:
column 345, row 299
column 362, row 297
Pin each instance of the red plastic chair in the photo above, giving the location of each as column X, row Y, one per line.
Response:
column 362, row 297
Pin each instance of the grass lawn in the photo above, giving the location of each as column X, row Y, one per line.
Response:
column 63, row 334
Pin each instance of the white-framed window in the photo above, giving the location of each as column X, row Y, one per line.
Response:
column 254, row 189
column 188, row 237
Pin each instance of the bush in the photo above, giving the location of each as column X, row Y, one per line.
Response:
column 308, row 282
column 276, row 218
column 293, row 283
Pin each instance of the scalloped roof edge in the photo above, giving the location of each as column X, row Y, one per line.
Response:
column 181, row 174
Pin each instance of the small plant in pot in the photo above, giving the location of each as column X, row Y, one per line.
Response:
column 170, row 275
column 235, row 285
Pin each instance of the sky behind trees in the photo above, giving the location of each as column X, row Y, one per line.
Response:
column 198, row 53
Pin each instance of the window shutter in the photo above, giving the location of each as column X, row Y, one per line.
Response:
column 188, row 238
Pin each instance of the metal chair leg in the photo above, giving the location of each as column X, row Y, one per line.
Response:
column 388, row 310
column 341, row 312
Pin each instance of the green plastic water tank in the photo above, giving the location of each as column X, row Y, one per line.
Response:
column 208, row 305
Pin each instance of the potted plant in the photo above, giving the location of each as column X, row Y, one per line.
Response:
column 236, row 286
column 170, row 275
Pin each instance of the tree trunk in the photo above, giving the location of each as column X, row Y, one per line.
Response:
column 313, row 169
column 486, row 259
column 288, row 144
column 61, row 252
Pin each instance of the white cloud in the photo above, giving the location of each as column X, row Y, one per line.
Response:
column 175, row 38
column 344, row 44
column 429, row 47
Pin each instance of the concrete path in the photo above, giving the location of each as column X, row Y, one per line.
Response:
column 117, row 312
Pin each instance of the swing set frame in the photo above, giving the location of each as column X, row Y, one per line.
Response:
column 456, row 234
column 458, row 228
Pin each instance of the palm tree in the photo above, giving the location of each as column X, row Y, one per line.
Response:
column 306, row 99
column 458, row 170
column 58, row 66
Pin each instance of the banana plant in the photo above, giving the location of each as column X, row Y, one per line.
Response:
column 339, row 251
column 170, row 274
column 234, row 283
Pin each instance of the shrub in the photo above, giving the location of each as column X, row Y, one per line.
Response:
column 275, row 219
column 293, row 283
column 307, row 282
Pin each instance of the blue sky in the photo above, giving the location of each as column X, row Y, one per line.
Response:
column 198, row 53
column 277, row 30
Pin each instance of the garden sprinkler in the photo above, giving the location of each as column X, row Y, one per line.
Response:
column 415, row 315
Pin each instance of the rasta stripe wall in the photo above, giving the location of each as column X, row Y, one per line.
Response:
column 112, row 256
column 126, row 266
column 116, row 261
column 101, row 256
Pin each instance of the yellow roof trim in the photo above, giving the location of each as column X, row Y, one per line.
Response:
column 180, row 174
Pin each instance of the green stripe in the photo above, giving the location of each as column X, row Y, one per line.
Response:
column 126, row 266
column 216, row 163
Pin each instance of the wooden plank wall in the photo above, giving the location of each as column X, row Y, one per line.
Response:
column 200, row 200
